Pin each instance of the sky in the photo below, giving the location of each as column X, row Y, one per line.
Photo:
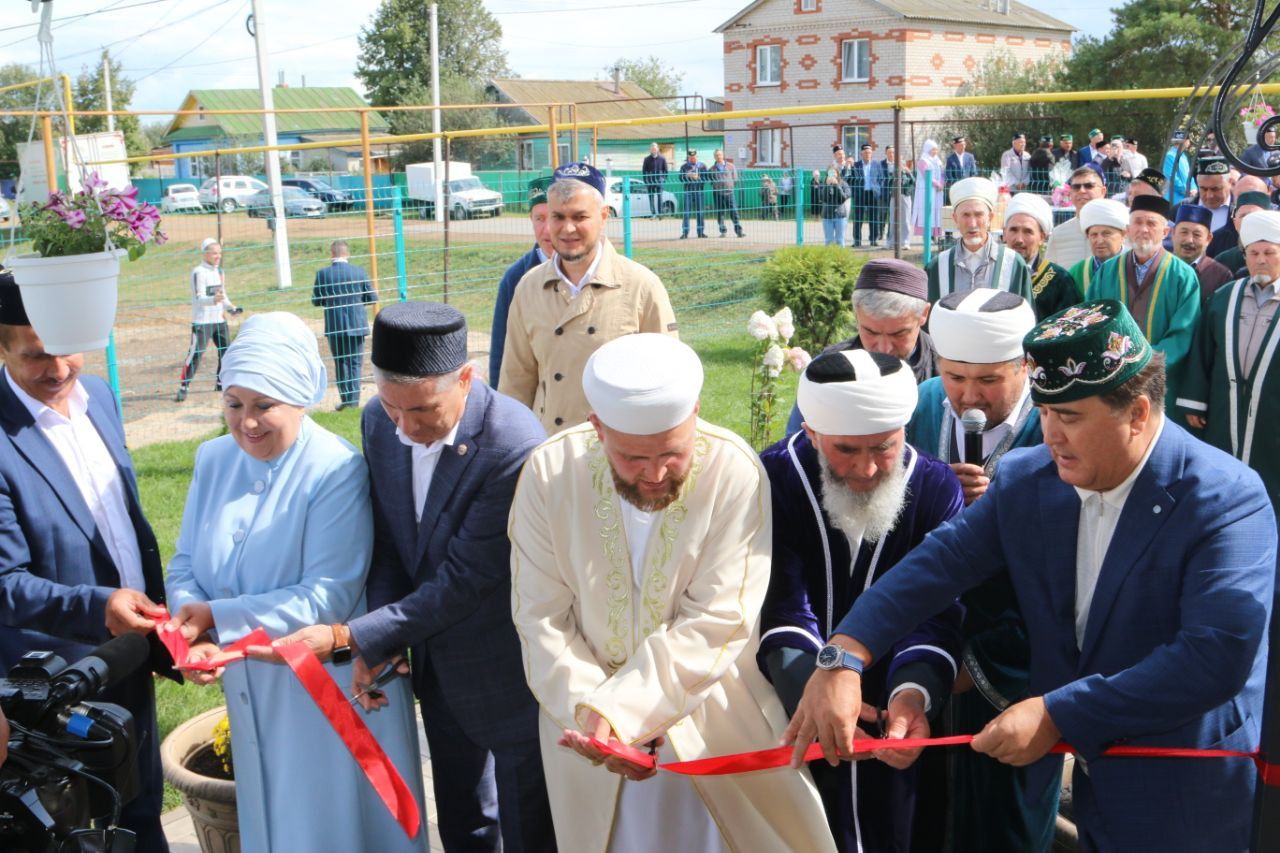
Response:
column 171, row 46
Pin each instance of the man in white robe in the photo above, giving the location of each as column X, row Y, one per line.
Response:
column 639, row 562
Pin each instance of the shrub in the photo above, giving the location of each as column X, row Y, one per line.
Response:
column 817, row 283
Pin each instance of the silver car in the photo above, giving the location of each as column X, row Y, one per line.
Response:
column 296, row 204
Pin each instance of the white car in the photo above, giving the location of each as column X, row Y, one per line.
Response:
column 181, row 197
column 5, row 210
column 229, row 191
column 639, row 199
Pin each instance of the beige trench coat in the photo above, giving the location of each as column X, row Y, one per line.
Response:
column 677, row 659
column 550, row 336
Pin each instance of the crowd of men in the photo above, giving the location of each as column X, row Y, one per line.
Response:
column 1032, row 499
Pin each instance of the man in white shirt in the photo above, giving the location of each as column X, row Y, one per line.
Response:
column 1151, row 638
column 1067, row 245
column 209, row 309
column 78, row 561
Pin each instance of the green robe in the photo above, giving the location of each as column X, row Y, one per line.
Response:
column 1232, row 259
column 988, row 810
column 1009, row 273
column 1081, row 273
column 1054, row 289
column 1243, row 411
column 1172, row 311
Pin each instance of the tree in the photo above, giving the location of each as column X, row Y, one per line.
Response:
column 89, row 93
column 395, row 48
column 14, row 129
column 990, row 128
column 649, row 74
column 483, row 152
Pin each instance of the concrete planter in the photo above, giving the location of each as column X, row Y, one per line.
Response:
column 211, row 802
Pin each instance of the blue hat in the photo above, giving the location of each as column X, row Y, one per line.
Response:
column 1096, row 168
column 584, row 172
column 1195, row 213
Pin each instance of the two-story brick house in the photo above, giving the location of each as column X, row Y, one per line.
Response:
column 788, row 53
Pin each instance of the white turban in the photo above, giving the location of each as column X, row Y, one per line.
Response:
column 276, row 354
column 1032, row 205
column 981, row 189
column 1104, row 211
column 854, row 392
column 643, row 384
column 981, row 326
column 1260, row 225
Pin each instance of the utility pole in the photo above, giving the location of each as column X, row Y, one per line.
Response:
column 284, row 272
column 106, row 90
column 435, row 113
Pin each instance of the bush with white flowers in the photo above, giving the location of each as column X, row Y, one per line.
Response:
column 773, row 354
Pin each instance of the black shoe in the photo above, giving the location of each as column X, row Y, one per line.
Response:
column 180, row 396
column 702, row 235
column 856, row 244
column 875, row 243
column 742, row 233
column 684, row 236
column 724, row 233
column 217, row 387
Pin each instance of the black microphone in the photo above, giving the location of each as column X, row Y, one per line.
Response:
column 974, row 422
column 105, row 666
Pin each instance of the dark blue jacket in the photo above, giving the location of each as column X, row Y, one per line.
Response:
column 342, row 290
column 442, row 587
column 958, row 168
column 1174, row 653
column 502, row 307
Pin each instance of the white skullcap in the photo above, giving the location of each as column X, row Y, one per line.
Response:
column 855, row 392
column 980, row 326
column 643, row 384
column 1260, row 225
column 207, row 242
column 981, row 189
column 1032, row 205
column 276, row 354
column 1104, row 211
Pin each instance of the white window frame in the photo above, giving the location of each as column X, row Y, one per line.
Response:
column 768, row 153
column 527, row 155
column 853, row 137
column 808, row 5
column 849, row 64
column 763, row 67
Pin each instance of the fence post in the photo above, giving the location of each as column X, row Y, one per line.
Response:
column 928, row 217
column 366, row 163
column 626, row 216
column 798, row 196
column 113, row 374
column 895, row 202
column 397, row 207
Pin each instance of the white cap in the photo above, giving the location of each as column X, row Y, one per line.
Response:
column 1032, row 205
column 207, row 242
column 855, row 392
column 981, row 326
column 643, row 384
column 1260, row 225
column 1104, row 211
column 981, row 189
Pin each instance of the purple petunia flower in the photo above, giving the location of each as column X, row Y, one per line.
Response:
column 73, row 218
column 93, row 183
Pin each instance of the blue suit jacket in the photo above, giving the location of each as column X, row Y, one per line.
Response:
column 443, row 586
column 502, row 308
column 875, row 177
column 959, row 168
column 343, row 290
column 1174, row 653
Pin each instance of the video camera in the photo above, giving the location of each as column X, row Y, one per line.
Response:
column 71, row 761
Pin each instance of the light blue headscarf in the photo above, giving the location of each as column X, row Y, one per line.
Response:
column 276, row 354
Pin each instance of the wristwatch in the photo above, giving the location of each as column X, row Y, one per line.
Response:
column 341, row 644
column 832, row 657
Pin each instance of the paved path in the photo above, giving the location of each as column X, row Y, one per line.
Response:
column 182, row 837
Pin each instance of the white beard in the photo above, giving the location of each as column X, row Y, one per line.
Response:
column 876, row 511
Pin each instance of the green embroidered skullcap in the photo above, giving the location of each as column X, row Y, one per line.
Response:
column 538, row 191
column 1089, row 349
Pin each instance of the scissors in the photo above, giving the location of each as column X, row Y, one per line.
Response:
column 384, row 678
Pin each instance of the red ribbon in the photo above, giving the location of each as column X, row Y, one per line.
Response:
column 356, row 737
column 780, row 756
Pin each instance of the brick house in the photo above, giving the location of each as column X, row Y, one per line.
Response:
column 798, row 52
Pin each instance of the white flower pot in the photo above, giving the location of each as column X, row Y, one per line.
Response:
column 71, row 301
column 1250, row 132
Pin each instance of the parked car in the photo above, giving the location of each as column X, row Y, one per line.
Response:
column 296, row 203
column 229, row 191
column 181, row 197
column 5, row 210
column 334, row 198
column 639, row 199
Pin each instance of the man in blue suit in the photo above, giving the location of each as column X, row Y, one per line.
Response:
column 342, row 289
column 1144, row 563
column 78, row 560
column 960, row 163
column 866, row 177
column 444, row 453
column 542, row 250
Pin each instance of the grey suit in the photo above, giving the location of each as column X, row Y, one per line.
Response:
column 442, row 587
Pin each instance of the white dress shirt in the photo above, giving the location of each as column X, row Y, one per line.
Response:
column 1099, row 514
column 96, row 475
column 991, row 437
column 576, row 287
column 425, row 459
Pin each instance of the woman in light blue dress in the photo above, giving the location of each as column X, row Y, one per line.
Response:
column 277, row 533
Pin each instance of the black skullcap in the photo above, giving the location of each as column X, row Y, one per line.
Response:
column 1213, row 165
column 1153, row 204
column 1153, row 178
column 893, row 275
column 1261, row 199
column 12, row 312
column 956, row 139
column 419, row 339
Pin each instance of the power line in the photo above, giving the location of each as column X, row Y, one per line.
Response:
column 233, row 59
column 147, row 32
column 597, row 8
column 114, row 7
column 197, row 45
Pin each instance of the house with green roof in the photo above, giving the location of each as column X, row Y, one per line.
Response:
column 340, row 119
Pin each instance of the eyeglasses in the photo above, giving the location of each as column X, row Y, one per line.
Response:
column 1079, row 187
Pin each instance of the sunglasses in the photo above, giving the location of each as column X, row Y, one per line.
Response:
column 1079, row 187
